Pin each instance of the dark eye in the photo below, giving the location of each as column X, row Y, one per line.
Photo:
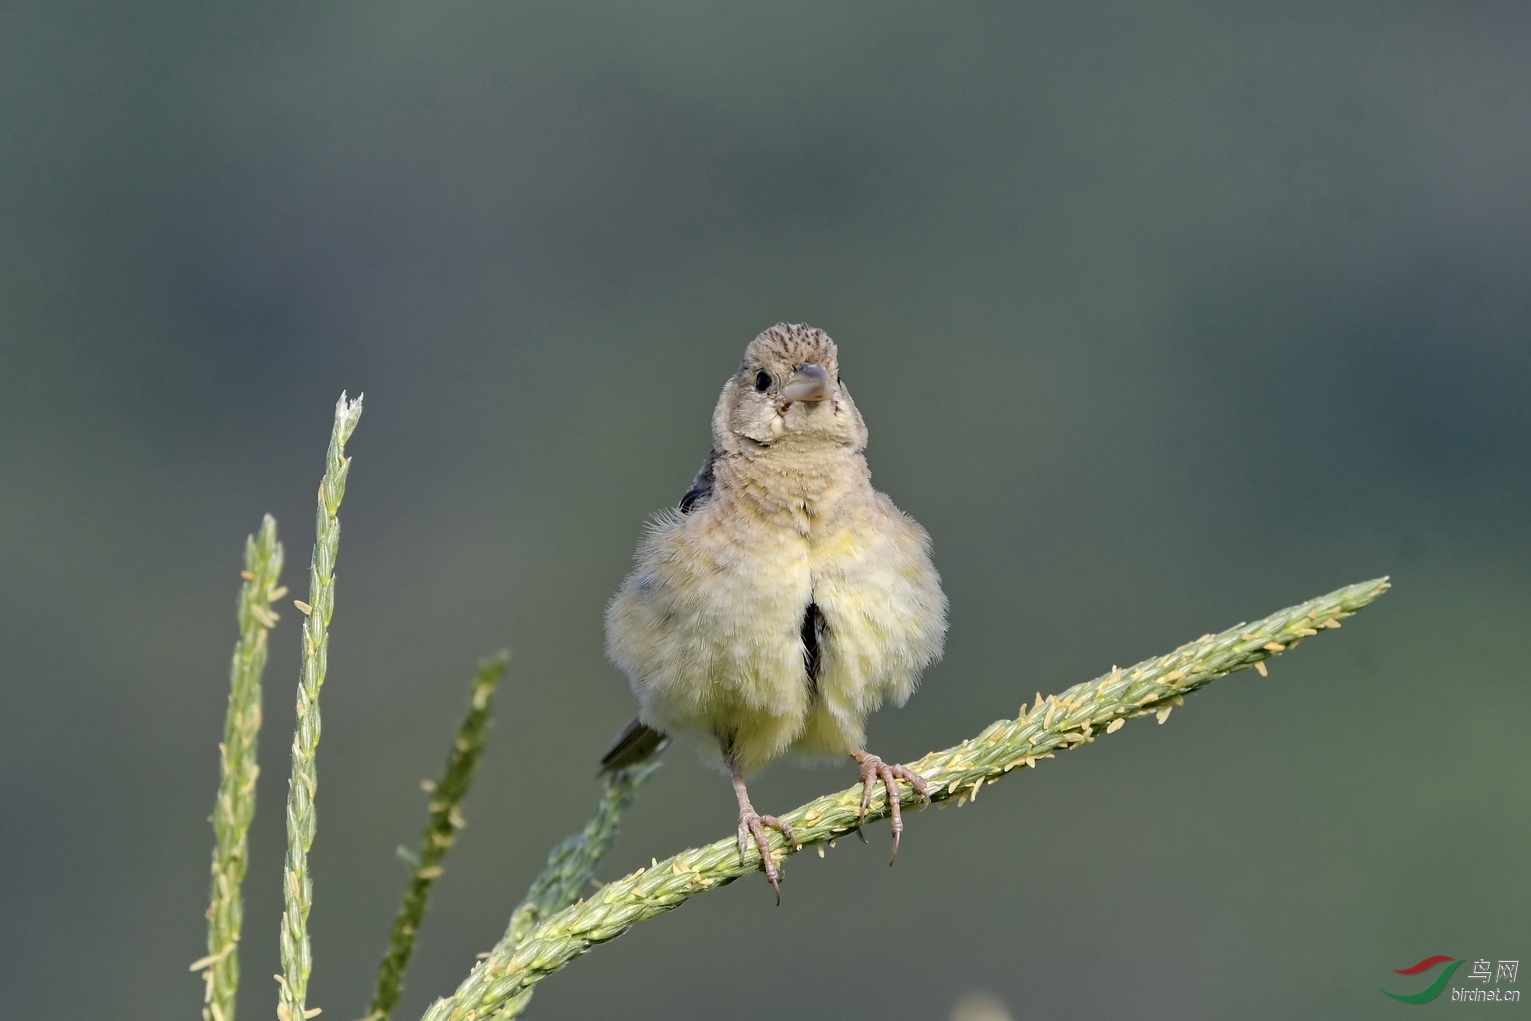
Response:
column 762, row 381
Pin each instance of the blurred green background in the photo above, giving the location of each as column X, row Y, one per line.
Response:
column 1162, row 317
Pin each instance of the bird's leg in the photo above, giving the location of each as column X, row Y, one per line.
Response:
column 753, row 824
column 874, row 769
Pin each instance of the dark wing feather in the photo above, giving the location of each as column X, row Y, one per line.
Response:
column 637, row 742
column 701, row 486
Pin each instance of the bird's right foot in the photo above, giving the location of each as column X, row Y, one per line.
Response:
column 753, row 825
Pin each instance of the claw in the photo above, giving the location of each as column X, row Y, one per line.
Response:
column 753, row 824
column 874, row 769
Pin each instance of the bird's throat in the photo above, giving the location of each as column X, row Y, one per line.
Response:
column 795, row 487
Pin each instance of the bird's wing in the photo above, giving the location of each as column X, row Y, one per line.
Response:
column 701, row 486
column 637, row 742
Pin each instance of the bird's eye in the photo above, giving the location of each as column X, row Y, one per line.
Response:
column 762, row 381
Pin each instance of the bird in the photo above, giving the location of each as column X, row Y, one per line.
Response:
column 783, row 599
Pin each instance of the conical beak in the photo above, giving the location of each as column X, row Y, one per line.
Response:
column 809, row 383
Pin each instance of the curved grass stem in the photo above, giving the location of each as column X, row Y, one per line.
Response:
column 500, row 985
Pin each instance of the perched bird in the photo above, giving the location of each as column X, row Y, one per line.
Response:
column 784, row 598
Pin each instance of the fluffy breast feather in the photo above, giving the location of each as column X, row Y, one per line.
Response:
column 708, row 628
column 884, row 619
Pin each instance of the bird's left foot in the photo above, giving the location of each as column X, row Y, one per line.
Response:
column 874, row 769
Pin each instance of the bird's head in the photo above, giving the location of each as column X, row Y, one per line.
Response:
column 787, row 395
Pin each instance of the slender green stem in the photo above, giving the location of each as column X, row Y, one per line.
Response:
column 440, row 834
column 297, row 888
column 569, row 872
column 235, row 806
column 499, row 986
column 571, row 865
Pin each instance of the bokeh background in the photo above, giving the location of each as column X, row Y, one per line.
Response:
column 1163, row 317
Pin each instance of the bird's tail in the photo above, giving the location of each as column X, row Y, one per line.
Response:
column 637, row 743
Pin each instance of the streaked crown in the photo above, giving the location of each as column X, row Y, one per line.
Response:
column 785, row 346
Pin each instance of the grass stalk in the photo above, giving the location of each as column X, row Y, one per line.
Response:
column 235, row 807
column 297, row 887
column 500, row 985
column 569, row 872
column 440, row 834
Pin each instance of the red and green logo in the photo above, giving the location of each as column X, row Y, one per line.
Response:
column 1434, row 989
